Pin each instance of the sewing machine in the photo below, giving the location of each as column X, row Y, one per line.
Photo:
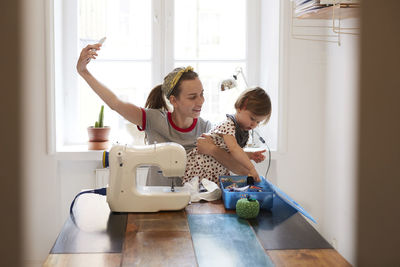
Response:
column 123, row 193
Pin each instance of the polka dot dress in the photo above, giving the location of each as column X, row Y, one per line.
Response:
column 205, row 166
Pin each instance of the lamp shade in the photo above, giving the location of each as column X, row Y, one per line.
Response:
column 228, row 84
column 232, row 82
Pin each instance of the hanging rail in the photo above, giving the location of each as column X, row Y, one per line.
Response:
column 336, row 27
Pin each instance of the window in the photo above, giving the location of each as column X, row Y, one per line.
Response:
column 212, row 38
column 145, row 40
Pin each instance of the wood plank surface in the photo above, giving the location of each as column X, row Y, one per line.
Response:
column 158, row 249
column 161, row 221
column 293, row 232
column 158, row 239
column 307, row 258
column 225, row 240
column 164, row 239
column 212, row 207
column 92, row 228
column 84, row 260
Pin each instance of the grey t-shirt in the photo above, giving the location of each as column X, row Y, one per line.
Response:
column 160, row 128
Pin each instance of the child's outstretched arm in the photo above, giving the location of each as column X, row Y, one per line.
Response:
column 127, row 110
column 205, row 145
column 238, row 154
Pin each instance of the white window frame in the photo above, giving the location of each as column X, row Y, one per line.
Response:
column 162, row 34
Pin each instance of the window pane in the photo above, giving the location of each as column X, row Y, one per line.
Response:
column 123, row 64
column 210, row 29
column 130, row 81
column 217, row 103
column 125, row 23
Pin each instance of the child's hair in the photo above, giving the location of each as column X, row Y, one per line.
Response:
column 255, row 100
column 156, row 98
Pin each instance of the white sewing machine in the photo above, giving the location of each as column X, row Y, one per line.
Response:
column 123, row 194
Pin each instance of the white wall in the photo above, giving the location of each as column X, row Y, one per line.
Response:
column 316, row 169
column 340, row 145
column 41, row 203
column 300, row 168
column 49, row 185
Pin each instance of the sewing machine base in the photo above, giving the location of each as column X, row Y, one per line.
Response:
column 151, row 199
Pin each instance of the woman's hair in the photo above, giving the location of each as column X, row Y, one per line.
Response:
column 255, row 100
column 157, row 98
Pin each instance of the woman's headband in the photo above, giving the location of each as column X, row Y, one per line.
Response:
column 172, row 79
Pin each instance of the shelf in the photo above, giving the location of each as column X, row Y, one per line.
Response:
column 341, row 11
column 315, row 31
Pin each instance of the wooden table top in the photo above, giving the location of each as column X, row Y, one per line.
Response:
column 164, row 239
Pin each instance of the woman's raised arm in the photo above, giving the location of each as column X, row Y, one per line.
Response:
column 129, row 111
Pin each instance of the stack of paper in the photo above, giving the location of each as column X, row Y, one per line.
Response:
column 332, row 2
column 302, row 7
column 307, row 6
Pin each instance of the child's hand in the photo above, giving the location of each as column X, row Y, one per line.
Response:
column 255, row 175
column 257, row 156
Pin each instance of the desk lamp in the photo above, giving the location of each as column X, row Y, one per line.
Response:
column 232, row 83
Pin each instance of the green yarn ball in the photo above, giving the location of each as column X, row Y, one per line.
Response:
column 247, row 208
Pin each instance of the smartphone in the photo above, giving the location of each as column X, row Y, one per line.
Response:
column 101, row 41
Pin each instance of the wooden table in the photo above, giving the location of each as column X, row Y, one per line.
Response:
column 164, row 239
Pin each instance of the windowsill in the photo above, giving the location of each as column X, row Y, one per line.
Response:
column 78, row 152
column 81, row 152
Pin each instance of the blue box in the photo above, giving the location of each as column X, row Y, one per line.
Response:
column 265, row 197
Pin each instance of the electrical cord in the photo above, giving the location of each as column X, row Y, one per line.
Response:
column 99, row 191
column 269, row 152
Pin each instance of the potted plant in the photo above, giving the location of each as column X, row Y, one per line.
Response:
column 98, row 134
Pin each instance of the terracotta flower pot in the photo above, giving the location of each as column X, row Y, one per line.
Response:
column 98, row 138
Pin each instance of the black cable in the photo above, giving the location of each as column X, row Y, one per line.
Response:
column 269, row 158
column 99, row 191
column 269, row 152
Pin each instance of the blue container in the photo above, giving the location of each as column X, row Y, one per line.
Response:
column 265, row 197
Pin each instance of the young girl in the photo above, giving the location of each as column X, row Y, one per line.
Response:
column 183, row 125
column 252, row 107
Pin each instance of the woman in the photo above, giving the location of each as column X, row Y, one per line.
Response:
column 183, row 125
